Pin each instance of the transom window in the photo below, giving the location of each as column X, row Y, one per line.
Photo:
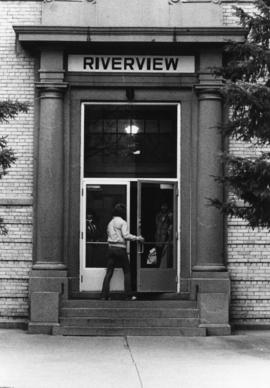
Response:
column 130, row 141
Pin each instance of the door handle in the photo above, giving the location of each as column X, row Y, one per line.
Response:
column 141, row 245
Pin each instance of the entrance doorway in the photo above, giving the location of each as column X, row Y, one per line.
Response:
column 130, row 155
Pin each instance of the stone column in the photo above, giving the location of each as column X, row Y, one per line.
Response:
column 210, row 250
column 48, row 279
column 50, row 179
column 210, row 280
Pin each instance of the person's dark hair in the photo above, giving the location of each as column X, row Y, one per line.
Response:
column 119, row 210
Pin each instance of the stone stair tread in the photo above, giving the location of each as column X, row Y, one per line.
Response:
column 73, row 303
column 127, row 322
column 87, row 317
column 135, row 331
column 124, row 308
column 129, row 312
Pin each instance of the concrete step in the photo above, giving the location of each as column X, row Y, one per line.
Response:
column 119, row 317
column 105, row 312
column 129, row 331
column 129, row 322
column 88, row 303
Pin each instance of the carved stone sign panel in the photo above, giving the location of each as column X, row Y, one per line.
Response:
column 131, row 63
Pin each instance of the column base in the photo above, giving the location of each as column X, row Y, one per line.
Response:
column 46, row 289
column 41, row 328
column 212, row 292
column 217, row 329
column 48, row 280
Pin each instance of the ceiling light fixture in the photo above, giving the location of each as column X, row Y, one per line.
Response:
column 132, row 129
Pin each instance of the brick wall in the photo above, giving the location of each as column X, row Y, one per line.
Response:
column 16, row 189
column 248, row 253
column 229, row 18
column 249, row 267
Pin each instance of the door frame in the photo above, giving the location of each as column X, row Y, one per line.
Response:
column 154, row 273
column 84, row 181
column 117, row 282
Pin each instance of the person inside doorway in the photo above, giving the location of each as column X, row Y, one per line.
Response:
column 91, row 227
column 163, row 235
column 118, row 235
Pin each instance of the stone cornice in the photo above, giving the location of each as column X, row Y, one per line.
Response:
column 60, row 34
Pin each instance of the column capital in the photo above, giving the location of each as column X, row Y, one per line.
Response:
column 52, row 75
column 209, row 91
column 51, row 90
column 52, row 86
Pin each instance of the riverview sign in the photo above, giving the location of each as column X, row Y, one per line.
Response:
column 131, row 63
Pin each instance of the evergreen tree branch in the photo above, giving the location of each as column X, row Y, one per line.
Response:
column 246, row 94
column 8, row 111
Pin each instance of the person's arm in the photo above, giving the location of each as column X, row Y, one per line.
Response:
column 127, row 235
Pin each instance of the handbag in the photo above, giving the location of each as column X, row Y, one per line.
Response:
column 152, row 257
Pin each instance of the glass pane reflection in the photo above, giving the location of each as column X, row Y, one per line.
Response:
column 157, row 225
column 100, row 202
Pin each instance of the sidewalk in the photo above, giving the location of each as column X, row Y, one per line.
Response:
column 41, row 361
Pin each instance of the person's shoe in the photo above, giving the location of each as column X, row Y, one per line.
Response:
column 103, row 298
column 131, row 297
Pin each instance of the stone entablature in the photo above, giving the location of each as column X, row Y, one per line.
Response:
column 140, row 13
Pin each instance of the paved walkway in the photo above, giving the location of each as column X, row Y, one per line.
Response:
column 41, row 361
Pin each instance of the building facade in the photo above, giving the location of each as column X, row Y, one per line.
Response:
column 123, row 108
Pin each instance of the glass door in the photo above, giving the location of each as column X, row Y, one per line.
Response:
column 157, row 223
column 99, row 199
